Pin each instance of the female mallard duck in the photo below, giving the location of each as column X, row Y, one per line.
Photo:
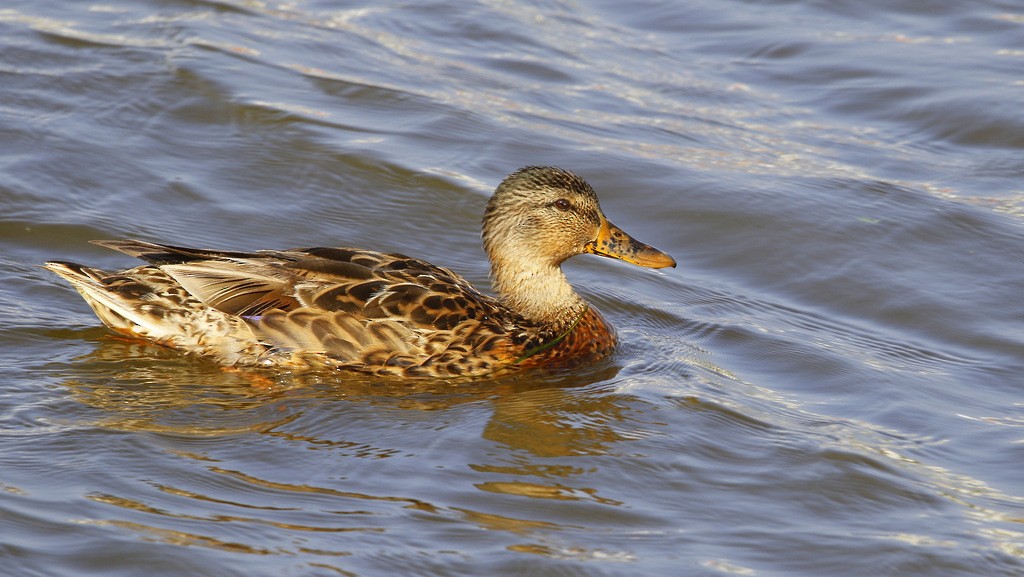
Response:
column 378, row 313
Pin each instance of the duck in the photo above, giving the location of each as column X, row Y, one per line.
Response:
column 383, row 314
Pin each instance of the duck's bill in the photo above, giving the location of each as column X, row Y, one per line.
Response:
column 613, row 242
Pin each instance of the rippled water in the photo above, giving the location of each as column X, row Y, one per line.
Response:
column 830, row 384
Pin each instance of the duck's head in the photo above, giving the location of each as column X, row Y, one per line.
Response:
column 538, row 217
column 550, row 214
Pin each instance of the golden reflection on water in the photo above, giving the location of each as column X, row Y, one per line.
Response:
column 303, row 488
column 536, row 418
column 502, row 522
column 539, row 491
column 182, row 538
column 553, row 423
column 135, row 380
column 142, row 507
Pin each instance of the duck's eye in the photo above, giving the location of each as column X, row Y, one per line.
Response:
column 562, row 204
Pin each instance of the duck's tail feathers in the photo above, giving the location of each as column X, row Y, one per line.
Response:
column 108, row 300
column 145, row 302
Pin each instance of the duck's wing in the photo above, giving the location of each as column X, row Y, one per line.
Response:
column 389, row 310
column 237, row 283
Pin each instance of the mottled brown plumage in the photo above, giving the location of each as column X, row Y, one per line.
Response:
column 384, row 314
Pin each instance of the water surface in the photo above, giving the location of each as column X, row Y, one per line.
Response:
column 829, row 384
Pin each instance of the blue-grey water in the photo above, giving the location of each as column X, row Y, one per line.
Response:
column 830, row 384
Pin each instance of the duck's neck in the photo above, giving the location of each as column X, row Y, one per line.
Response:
column 536, row 290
